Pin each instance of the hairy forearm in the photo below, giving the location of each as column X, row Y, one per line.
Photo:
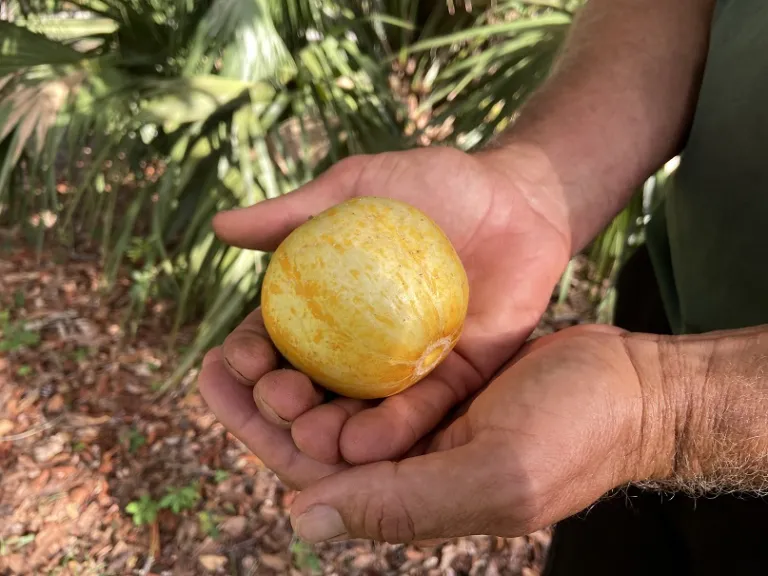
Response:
column 616, row 107
column 705, row 422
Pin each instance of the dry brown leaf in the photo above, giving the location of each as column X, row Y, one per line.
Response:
column 212, row 562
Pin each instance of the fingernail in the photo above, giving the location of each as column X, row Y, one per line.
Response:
column 244, row 380
column 267, row 410
column 320, row 523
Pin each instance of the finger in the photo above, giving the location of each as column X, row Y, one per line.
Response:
column 284, row 395
column 264, row 225
column 428, row 545
column 393, row 427
column 438, row 495
column 233, row 405
column 248, row 351
column 316, row 433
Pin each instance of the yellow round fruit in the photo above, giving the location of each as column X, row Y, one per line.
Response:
column 366, row 298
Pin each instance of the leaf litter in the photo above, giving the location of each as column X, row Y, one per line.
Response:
column 101, row 476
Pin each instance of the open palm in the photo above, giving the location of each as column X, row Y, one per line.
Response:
column 545, row 439
column 513, row 250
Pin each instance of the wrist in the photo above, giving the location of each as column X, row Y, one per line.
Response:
column 663, row 407
column 703, row 425
column 525, row 168
column 562, row 179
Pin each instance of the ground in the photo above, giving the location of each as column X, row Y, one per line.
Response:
column 104, row 474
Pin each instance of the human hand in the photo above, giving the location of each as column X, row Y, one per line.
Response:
column 513, row 239
column 563, row 425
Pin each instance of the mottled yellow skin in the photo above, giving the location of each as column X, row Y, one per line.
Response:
column 366, row 298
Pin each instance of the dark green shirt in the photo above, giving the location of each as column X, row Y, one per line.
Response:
column 709, row 239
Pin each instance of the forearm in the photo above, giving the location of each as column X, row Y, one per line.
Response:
column 705, row 421
column 615, row 108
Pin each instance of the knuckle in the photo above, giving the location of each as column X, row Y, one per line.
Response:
column 385, row 516
column 529, row 503
column 230, row 343
column 350, row 163
column 249, row 355
column 517, row 494
column 289, row 482
column 212, row 355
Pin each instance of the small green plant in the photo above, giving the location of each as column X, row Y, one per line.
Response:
column 24, row 370
column 143, row 511
column 304, row 557
column 220, row 475
column 208, row 524
column 15, row 543
column 15, row 335
column 179, row 499
column 229, row 508
column 81, row 354
column 18, row 299
column 134, row 439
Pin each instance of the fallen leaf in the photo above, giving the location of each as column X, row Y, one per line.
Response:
column 363, row 560
column 63, row 471
column 46, row 451
column 16, row 563
column 41, row 479
column 79, row 495
column 212, row 562
column 492, row 570
column 5, row 426
column 414, row 555
column 55, row 404
column 274, row 562
column 51, row 539
column 234, row 526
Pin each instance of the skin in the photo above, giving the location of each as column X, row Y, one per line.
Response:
column 502, row 242
column 538, row 443
column 521, row 457
column 578, row 414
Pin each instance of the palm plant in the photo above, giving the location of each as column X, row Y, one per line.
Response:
column 131, row 123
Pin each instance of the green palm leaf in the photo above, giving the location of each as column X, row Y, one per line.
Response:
column 193, row 107
column 21, row 48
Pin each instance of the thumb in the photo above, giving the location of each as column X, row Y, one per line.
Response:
column 265, row 224
column 447, row 494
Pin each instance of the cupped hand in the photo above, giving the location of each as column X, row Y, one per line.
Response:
column 549, row 436
column 513, row 239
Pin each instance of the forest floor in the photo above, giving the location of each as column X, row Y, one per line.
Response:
column 102, row 474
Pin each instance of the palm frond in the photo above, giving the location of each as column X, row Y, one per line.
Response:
column 159, row 113
column 22, row 49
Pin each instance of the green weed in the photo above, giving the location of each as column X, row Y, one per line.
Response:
column 14, row 335
column 180, row 499
column 143, row 511
column 304, row 557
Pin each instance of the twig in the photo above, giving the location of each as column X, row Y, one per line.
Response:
column 154, row 548
column 233, row 568
column 246, row 543
column 53, row 318
column 16, row 277
column 78, row 421
column 147, row 566
column 32, row 431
